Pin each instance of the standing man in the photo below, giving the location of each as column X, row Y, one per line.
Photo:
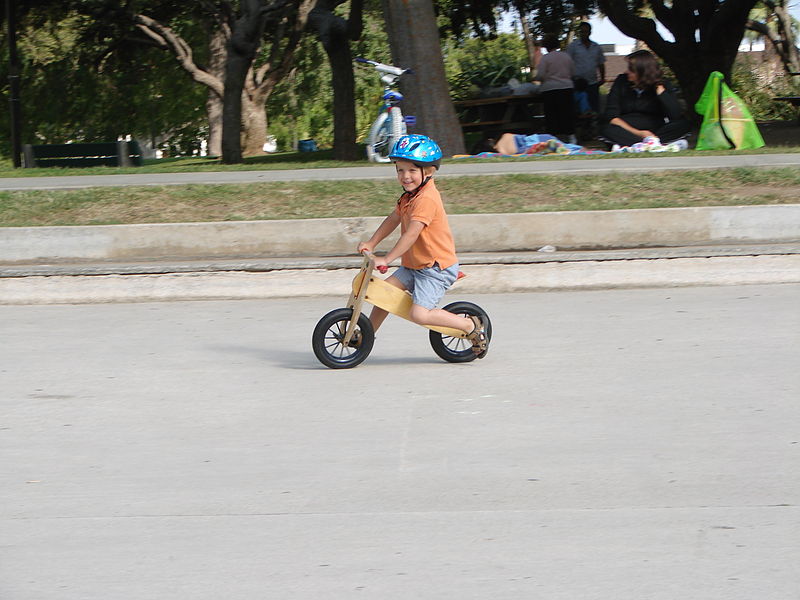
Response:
column 589, row 63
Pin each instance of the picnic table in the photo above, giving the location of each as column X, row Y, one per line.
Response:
column 523, row 112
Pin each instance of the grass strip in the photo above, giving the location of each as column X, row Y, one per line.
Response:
column 324, row 159
column 358, row 198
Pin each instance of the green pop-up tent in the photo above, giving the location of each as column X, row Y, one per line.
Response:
column 727, row 122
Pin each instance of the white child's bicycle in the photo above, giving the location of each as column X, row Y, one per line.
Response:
column 390, row 124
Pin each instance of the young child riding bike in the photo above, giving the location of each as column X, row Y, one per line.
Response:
column 426, row 246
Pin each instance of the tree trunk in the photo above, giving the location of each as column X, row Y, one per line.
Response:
column 792, row 62
column 216, row 66
column 254, row 124
column 414, row 41
column 534, row 50
column 335, row 34
column 235, row 71
column 242, row 47
column 214, row 115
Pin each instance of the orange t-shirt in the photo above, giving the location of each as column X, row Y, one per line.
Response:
column 435, row 242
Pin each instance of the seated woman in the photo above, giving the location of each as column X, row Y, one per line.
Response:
column 641, row 104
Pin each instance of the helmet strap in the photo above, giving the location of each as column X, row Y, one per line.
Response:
column 422, row 185
column 413, row 193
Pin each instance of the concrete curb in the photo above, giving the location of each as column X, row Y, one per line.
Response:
column 657, row 227
column 484, row 278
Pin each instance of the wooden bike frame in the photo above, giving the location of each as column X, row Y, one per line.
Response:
column 368, row 288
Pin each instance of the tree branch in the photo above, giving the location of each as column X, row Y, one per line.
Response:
column 355, row 20
column 169, row 40
column 634, row 26
column 267, row 76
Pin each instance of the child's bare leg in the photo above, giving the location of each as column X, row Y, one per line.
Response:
column 378, row 315
column 442, row 318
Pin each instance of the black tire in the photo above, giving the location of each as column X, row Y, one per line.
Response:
column 327, row 340
column 454, row 349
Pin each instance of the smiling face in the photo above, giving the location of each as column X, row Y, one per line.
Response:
column 409, row 175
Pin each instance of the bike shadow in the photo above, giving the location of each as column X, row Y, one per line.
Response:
column 303, row 360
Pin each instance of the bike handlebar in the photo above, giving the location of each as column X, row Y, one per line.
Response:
column 382, row 269
column 392, row 70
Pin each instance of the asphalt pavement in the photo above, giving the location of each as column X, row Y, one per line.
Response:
column 616, row 444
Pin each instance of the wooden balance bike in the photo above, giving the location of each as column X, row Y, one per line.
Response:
column 344, row 337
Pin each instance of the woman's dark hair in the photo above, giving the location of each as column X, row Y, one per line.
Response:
column 646, row 68
column 550, row 42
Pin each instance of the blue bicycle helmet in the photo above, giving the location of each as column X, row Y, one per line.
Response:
column 418, row 149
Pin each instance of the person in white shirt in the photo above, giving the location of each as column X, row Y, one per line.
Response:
column 556, row 71
column 589, row 63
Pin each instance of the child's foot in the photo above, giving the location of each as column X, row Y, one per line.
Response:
column 355, row 340
column 478, row 337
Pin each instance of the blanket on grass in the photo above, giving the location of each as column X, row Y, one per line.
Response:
column 548, row 145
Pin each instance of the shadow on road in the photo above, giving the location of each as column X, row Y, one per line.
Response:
column 306, row 361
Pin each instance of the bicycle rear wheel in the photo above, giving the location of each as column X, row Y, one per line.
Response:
column 385, row 131
column 454, row 349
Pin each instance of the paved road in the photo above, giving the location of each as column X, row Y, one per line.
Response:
column 613, row 445
column 541, row 167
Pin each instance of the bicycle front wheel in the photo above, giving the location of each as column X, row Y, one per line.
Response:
column 328, row 340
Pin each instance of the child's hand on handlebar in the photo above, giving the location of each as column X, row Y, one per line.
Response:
column 380, row 264
column 364, row 247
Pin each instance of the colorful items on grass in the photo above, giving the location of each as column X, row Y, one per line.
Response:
column 652, row 144
column 547, row 145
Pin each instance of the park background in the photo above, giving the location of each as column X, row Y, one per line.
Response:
column 149, row 71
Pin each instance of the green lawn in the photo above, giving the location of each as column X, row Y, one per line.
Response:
column 477, row 194
column 324, row 159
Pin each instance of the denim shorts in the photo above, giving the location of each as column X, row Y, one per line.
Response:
column 428, row 285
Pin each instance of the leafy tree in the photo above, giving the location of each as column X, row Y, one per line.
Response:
column 474, row 63
column 302, row 103
column 248, row 45
column 536, row 18
column 251, row 47
column 707, row 35
column 101, row 95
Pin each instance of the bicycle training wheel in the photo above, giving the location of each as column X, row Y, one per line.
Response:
column 385, row 131
column 456, row 349
column 328, row 336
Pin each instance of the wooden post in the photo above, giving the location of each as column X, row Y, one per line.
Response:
column 30, row 161
column 123, row 158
